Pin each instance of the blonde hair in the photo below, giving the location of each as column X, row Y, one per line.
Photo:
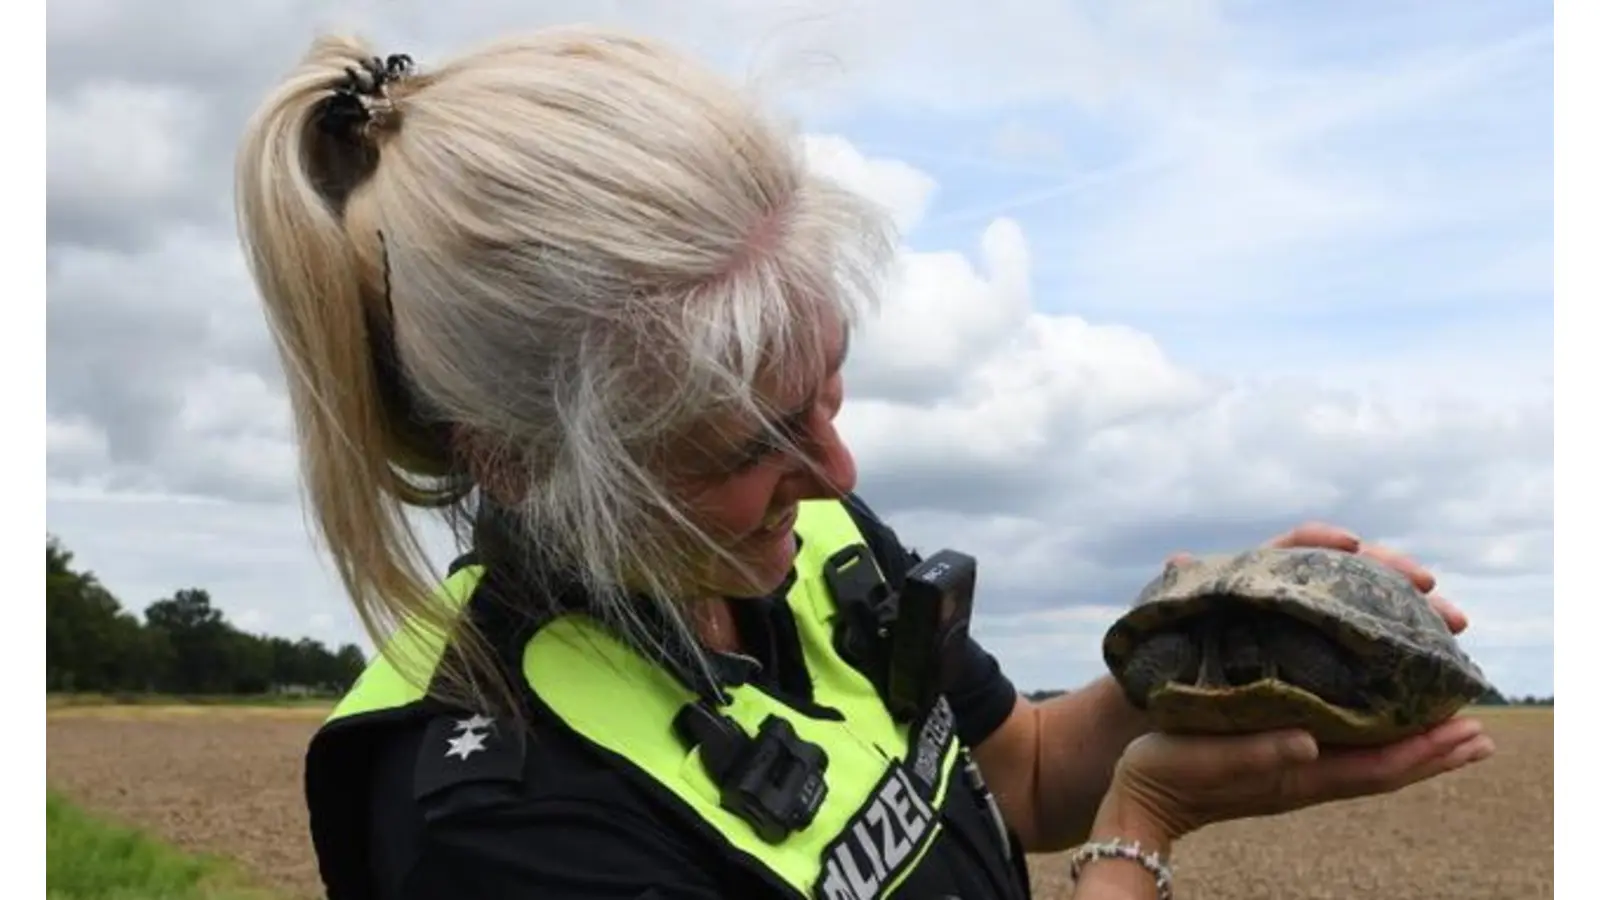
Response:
column 538, row 265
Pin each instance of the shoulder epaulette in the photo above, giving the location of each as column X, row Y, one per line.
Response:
column 461, row 748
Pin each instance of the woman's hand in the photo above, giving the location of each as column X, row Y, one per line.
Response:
column 1177, row 785
column 1168, row 786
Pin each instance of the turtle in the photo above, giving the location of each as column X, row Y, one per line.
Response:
column 1325, row 640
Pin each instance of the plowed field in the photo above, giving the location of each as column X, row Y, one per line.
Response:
column 228, row 781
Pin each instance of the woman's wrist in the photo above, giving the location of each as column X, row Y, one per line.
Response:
column 1127, row 854
column 1124, row 818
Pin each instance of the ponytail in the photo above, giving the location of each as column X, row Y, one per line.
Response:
column 323, row 279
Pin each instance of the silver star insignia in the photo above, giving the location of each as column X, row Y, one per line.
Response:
column 474, row 723
column 468, row 743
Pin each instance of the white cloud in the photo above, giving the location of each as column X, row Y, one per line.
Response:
column 1231, row 205
column 77, row 439
column 1310, row 185
column 1013, row 53
column 1063, row 452
column 899, row 188
column 948, row 315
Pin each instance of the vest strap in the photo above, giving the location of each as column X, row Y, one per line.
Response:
column 774, row 781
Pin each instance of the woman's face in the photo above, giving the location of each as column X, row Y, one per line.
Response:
column 745, row 491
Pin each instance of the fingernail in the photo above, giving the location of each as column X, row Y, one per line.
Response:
column 1299, row 746
column 1476, row 750
column 1461, row 730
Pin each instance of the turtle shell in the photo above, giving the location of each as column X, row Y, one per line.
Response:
column 1409, row 670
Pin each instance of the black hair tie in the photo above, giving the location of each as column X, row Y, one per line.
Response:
column 349, row 109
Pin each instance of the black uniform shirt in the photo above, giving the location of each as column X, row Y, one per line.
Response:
column 570, row 825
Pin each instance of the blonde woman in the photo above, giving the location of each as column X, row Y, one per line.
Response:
column 574, row 291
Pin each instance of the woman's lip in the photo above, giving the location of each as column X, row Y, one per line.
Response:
column 782, row 524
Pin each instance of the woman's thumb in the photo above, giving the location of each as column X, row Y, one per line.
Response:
column 1296, row 746
column 1274, row 749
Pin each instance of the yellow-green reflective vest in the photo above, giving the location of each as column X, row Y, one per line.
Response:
column 886, row 781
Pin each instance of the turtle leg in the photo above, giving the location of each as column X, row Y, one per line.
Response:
column 1244, row 660
column 1163, row 658
column 1212, row 672
column 1309, row 659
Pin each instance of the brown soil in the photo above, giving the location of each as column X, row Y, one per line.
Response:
column 228, row 781
column 225, row 781
column 1484, row 833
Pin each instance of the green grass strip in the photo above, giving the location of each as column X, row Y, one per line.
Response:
column 90, row 858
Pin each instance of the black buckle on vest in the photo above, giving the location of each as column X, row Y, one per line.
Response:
column 907, row 642
column 866, row 609
column 773, row 781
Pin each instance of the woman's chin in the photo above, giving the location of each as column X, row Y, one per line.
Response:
column 768, row 563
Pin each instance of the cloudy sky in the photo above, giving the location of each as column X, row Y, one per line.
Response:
column 1175, row 275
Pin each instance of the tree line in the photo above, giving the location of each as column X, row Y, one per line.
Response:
column 181, row 645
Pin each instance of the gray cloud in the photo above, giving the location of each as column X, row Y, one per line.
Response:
column 162, row 355
column 1446, row 490
column 150, row 310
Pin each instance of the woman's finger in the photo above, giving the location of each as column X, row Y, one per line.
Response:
column 1265, row 751
column 1403, row 564
column 1317, row 534
column 1345, row 774
column 1453, row 617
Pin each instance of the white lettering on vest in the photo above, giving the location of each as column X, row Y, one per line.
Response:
column 933, row 742
column 880, row 841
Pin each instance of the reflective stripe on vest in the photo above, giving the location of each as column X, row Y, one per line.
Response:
column 382, row 685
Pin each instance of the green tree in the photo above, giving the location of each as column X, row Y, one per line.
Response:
column 183, row 644
column 91, row 644
column 201, row 641
column 249, row 663
column 352, row 662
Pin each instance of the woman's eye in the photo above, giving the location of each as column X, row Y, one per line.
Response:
column 768, row 446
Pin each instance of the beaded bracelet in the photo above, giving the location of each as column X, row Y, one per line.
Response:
column 1116, row 849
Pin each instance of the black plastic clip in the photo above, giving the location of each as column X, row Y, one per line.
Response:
column 866, row 607
column 774, row 781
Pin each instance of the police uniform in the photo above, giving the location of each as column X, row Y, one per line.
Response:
column 791, row 780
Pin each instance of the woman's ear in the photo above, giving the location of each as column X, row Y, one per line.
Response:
column 499, row 472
